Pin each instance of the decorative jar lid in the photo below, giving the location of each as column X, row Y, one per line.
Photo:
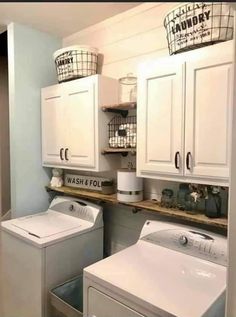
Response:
column 130, row 79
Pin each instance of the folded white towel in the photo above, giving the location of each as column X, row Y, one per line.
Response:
column 118, row 141
column 129, row 140
column 113, row 142
column 132, row 141
column 122, row 141
column 131, row 134
column 129, row 127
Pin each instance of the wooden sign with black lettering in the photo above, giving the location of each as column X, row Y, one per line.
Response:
column 86, row 182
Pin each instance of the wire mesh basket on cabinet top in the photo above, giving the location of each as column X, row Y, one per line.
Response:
column 76, row 62
column 122, row 132
column 197, row 24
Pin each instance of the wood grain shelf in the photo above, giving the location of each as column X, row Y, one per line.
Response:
column 123, row 151
column 145, row 205
column 120, row 108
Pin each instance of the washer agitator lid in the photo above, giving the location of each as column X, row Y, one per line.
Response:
column 65, row 218
column 47, row 223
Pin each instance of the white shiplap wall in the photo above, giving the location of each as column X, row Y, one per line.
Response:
column 125, row 41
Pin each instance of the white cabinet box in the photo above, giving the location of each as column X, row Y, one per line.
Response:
column 74, row 128
column 184, row 116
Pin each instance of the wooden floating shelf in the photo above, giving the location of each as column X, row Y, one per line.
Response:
column 122, row 151
column 145, row 205
column 120, row 106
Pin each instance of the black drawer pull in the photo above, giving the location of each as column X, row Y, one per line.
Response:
column 66, row 154
column 188, row 160
column 177, row 160
column 61, row 157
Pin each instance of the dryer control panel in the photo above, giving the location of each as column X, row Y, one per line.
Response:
column 194, row 242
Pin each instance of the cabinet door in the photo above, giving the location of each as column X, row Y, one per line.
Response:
column 80, row 124
column 160, row 120
column 208, row 117
column 101, row 305
column 52, row 116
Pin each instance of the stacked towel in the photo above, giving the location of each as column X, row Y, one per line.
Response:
column 126, row 138
column 118, row 141
column 130, row 128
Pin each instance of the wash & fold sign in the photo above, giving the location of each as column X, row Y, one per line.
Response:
column 83, row 181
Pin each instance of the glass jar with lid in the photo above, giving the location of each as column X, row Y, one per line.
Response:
column 128, row 88
column 167, row 198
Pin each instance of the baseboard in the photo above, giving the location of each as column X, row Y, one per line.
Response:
column 6, row 216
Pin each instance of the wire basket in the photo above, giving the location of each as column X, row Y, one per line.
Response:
column 197, row 24
column 75, row 62
column 122, row 132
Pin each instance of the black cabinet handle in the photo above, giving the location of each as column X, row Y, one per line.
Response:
column 61, row 157
column 188, row 160
column 177, row 160
column 66, row 156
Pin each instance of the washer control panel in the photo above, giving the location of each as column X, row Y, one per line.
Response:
column 77, row 208
column 196, row 243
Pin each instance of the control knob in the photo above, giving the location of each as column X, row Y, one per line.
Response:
column 183, row 240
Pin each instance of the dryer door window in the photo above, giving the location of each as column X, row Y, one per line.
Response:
column 101, row 305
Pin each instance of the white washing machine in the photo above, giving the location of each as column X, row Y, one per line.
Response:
column 172, row 271
column 45, row 249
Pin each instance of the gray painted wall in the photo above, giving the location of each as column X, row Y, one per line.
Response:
column 31, row 67
column 122, row 227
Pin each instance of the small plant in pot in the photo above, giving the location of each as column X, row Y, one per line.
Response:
column 211, row 195
column 193, row 197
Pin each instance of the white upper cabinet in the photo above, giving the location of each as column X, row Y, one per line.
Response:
column 208, row 116
column 74, row 128
column 160, row 126
column 184, row 116
column 81, row 142
column 52, row 118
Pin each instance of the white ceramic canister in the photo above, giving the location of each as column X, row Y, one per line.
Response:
column 129, row 186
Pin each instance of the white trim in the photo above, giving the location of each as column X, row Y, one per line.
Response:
column 11, row 100
column 231, row 276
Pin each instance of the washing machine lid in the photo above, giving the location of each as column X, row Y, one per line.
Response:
column 47, row 224
column 166, row 282
column 46, row 228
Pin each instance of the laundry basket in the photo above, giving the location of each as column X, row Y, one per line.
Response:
column 197, row 24
column 67, row 298
column 122, row 132
column 75, row 62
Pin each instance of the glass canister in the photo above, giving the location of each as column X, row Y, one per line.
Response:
column 182, row 192
column 213, row 202
column 128, row 88
column 167, row 198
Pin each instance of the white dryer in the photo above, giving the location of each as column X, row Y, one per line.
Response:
column 43, row 250
column 172, row 271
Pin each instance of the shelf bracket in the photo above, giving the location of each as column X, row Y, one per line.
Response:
column 123, row 113
column 123, row 153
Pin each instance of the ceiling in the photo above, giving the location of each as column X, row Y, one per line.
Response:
column 59, row 18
